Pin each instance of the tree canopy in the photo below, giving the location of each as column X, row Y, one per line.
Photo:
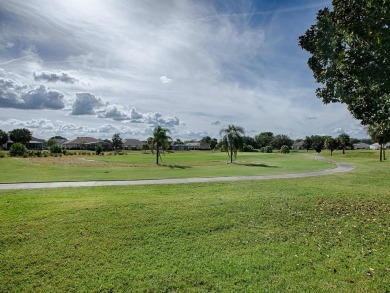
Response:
column 117, row 142
column 331, row 144
column 264, row 139
column 349, row 49
column 3, row 137
column 21, row 135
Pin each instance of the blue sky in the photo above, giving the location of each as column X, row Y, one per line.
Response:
column 96, row 67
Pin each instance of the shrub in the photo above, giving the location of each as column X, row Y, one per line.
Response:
column 17, row 150
column 38, row 153
column 55, row 149
column 266, row 149
column 284, row 149
column 98, row 150
column 247, row 148
column 2, row 155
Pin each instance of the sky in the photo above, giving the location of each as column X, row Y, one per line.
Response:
column 95, row 67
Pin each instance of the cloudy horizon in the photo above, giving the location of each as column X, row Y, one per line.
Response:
column 95, row 68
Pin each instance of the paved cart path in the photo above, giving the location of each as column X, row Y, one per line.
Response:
column 341, row 167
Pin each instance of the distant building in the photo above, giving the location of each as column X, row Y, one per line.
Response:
column 199, row 145
column 179, row 146
column 35, row 144
column 297, row 145
column 375, row 146
column 361, row 146
column 132, row 144
column 86, row 143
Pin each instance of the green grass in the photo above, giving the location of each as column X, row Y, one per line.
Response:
column 136, row 166
column 319, row 234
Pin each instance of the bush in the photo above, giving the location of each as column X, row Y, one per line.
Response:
column 55, row 149
column 284, row 149
column 17, row 150
column 266, row 149
column 247, row 148
column 2, row 155
column 98, row 150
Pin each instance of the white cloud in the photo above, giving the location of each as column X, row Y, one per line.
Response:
column 86, row 104
column 165, row 79
column 26, row 97
column 54, row 77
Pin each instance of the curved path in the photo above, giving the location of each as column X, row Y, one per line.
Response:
column 341, row 167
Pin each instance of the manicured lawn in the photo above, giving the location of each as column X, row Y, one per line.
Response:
column 136, row 166
column 319, row 234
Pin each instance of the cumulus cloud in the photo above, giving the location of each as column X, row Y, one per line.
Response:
column 338, row 130
column 158, row 119
column 54, row 77
column 25, row 97
column 113, row 112
column 41, row 98
column 89, row 104
column 86, row 104
column 135, row 115
column 107, row 128
column 33, row 123
column 165, row 79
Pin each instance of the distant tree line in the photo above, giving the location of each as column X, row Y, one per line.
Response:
column 232, row 140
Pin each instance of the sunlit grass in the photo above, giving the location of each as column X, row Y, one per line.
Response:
column 136, row 166
column 319, row 234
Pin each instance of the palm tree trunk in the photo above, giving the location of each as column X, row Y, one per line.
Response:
column 157, row 153
column 231, row 152
column 380, row 152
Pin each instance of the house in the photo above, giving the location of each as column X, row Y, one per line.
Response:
column 297, row 145
column 375, row 146
column 199, row 145
column 361, row 146
column 35, row 144
column 132, row 144
column 86, row 143
column 179, row 146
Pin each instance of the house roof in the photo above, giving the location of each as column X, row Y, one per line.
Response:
column 82, row 140
column 131, row 141
column 299, row 143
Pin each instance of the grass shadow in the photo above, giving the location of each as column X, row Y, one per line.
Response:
column 260, row 165
column 175, row 166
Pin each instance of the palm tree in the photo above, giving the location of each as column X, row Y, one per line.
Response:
column 232, row 135
column 344, row 140
column 331, row 144
column 160, row 141
column 381, row 134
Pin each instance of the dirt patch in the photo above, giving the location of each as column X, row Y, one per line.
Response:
column 74, row 161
